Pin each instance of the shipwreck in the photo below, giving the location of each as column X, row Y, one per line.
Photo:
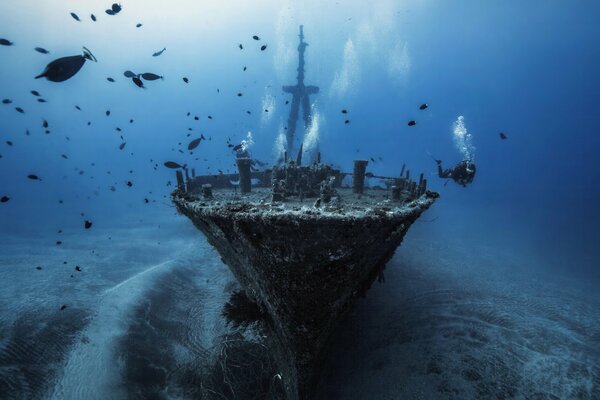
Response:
column 305, row 241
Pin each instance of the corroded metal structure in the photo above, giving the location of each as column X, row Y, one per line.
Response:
column 300, row 97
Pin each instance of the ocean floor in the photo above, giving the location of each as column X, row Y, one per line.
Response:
column 453, row 320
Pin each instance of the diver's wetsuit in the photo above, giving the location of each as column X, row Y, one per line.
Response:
column 463, row 173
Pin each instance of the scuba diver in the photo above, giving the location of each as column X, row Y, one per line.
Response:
column 463, row 173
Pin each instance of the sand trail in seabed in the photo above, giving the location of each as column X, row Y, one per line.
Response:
column 91, row 370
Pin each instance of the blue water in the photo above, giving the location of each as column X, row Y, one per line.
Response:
column 513, row 257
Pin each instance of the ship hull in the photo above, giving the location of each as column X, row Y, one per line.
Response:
column 304, row 266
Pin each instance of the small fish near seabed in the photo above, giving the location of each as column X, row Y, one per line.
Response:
column 149, row 76
column 138, row 82
column 173, row 165
column 65, row 68
column 158, row 53
column 6, row 42
column 41, row 50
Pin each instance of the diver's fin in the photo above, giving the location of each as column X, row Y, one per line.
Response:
column 87, row 54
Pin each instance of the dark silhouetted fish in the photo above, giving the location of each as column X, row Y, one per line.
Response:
column 158, row 53
column 41, row 100
column 149, row 76
column 34, row 177
column 347, row 121
column 122, row 146
column 186, row 80
column 239, row 94
column 138, row 82
column 423, row 106
column 129, row 74
column 75, row 17
column 64, row 68
column 6, row 101
column 172, row 165
column 38, row 268
column 35, row 93
column 4, row 199
column 245, row 68
column 194, row 143
column 107, row 113
column 20, row 110
column 344, row 111
column 129, row 183
column 412, row 123
column 64, row 156
column 110, row 12
column 77, row 267
column 138, row 25
column 87, row 224
column 41, row 50
column 64, row 305
column 110, row 79
column 146, row 200
column 255, row 37
column 240, row 46
column 93, row 17
column 116, row 8
column 77, row 107
column 503, row 135
column 6, row 42
column 45, row 124
column 263, row 47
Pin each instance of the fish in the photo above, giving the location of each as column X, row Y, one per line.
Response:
column 503, row 136
column 4, row 199
column 45, row 124
column 107, row 113
column 77, row 107
column 64, row 305
column 186, row 80
column 344, row 111
column 240, row 46
column 138, row 25
column 146, row 200
column 129, row 183
column 6, row 42
column 75, row 17
column 35, row 93
column 347, row 121
column 38, row 268
column 149, row 76
column 19, row 109
column 263, row 47
column 287, row 102
column 34, row 177
column 196, row 118
column 65, row 68
column 255, row 37
column 42, row 100
column 122, row 146
column 109, row 12
column 210, row 117
column 116, row 8
column 93, row 17
column 118, row 129
column 138, row 82
column 158, row 53
column 412, row 123
column 41, row 50
column 423, row 106
column 172, row 165
column 194, row 143
column 131, row 121
column 77, row 267
column 64, row 156
column 6, row 101
column 87, row 224
column 239, row 94
column 129, row 74
column 110, row 79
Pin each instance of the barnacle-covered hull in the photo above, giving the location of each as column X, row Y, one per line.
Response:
column 303, row 265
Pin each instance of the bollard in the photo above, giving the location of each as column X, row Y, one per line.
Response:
column 207, row 191
column 424, row 187
column 395, row 193
column 402, row 170
column 319, row 157
column 180, row 183
column 408, row 174
column 358, row 178
column 244, row 174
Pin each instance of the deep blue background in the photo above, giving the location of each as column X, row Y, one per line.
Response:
column 528, row 69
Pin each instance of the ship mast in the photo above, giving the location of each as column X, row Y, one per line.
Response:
column 300, row 94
